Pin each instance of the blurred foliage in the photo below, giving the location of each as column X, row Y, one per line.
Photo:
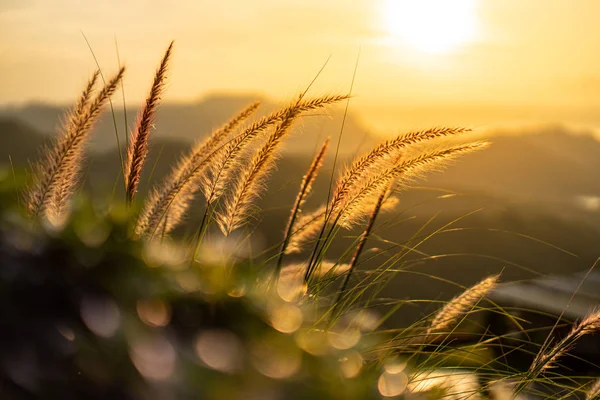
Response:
column 88, row 313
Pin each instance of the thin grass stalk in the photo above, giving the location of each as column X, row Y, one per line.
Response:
column 62, row 162
column 351, row 206
column 125, row 122
column 112, row 110
column 305, row 189
column 361, row 244
column 197, row 240
column 138, row 145
column 311, row 267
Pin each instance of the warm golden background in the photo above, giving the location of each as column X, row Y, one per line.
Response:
column 481, row 63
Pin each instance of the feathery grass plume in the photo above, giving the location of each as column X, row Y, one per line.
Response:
column 305, row 228
column 138, row 144
column 385, row 152
column 354, row 205
column 250, row 182
column 451, row 313
column 226, row 161
column 171, row 199
column 57, row 207
column 222, row 165
column 545, row 360
column 594, row 392
column 305, row 188
column 35, row 201
column 57, row 173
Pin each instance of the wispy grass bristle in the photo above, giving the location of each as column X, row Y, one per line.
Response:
column 547, row 358
column 305, row 188
column 227, row 160
column 171, row 199
column 138, row 143
column 386, row 151
column 249, row 184
column 451, row 314
column 305, row 228
column 354, row 204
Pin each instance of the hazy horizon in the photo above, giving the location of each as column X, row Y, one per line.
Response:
column 478, row 63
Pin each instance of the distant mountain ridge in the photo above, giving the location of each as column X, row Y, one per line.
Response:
column 550, row 165
column 193, row 121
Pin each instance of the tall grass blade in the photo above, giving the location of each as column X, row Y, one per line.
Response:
column 305, row 189
column 361, row 244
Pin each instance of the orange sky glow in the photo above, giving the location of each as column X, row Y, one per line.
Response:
column 481, row 63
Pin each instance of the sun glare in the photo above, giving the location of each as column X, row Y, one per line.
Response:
column 431, row 26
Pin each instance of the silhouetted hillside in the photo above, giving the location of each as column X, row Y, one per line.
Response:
column 19, row 140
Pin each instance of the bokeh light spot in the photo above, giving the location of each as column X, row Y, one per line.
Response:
column 101, row 316
column 154, row 312
column 154, row 357
column 391, row 385
column 220, row 350
column 351, row 364
column 286, row 318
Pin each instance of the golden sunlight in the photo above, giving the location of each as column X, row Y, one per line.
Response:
column 431, row 26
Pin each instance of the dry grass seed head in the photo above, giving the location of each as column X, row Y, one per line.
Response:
column 172, row 198
column 226, row 162
column 447, row 318
column 372, row 161
column 57, row 174
column 249, row 184
column 547, row 359
column 354, row 205
column 138, row 144
column 305, row 228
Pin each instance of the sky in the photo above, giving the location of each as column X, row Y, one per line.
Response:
column 482, row 63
